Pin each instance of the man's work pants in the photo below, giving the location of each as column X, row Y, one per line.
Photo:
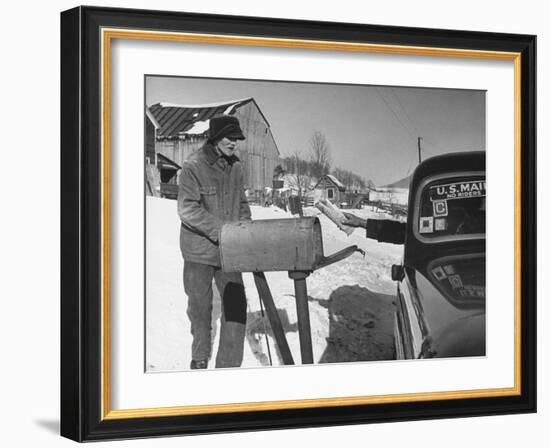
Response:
column 197, row 280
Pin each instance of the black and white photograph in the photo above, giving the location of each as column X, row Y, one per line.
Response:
column 294, row 223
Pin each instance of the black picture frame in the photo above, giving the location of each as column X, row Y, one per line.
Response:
column 82, row 215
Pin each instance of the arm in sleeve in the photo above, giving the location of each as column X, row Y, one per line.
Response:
column 244, row 208
column 190, row 210
column 386, row 230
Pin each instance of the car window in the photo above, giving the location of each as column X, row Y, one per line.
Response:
column 461, row 279
column 452, row 208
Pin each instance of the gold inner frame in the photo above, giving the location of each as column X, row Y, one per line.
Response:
column 107, row 35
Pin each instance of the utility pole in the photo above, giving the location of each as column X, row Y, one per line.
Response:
column 419, row 151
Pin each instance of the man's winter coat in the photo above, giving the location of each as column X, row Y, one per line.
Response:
column 211, row 192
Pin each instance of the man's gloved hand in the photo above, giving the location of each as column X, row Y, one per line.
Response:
column 354, row 221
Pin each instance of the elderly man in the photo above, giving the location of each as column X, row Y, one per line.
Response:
column 211, row 192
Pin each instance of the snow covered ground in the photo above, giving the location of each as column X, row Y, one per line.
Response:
column 350, row 302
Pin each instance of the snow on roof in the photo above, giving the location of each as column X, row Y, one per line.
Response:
column 204, row 106
column 200, row 127
column 336, row 181
column 229, row 110
column 152, row 118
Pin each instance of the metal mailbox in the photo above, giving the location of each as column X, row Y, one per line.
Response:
column 271, row 245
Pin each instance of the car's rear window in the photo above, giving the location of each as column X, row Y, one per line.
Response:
column 453, row 208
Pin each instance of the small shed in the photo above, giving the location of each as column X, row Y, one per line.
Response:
column 161, row 178
column 168, row 177
column 329, row 187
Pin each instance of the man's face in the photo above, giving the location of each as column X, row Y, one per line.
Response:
column 227, row 146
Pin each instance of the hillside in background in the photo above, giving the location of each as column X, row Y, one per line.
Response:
column 402, row 183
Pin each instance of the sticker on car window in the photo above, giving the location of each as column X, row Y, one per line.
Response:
column 458, row 190
column 438, row 273
column 440, row 224
column 449, row 269
column 440, row 208
column 455, row 281
column 426, row 224
column 472, row 291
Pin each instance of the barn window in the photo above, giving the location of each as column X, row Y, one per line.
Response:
column 330, row 193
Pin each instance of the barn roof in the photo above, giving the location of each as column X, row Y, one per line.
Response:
column 173, row 119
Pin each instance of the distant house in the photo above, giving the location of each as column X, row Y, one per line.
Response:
column 175, row 131
column 329, row 187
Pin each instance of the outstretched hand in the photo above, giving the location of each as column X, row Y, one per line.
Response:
column 353, row 221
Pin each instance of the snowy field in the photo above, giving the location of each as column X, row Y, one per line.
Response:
column 350, row 302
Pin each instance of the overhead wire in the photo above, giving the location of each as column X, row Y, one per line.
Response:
column 427, row 140
column 408, row 128
column 431, row 143
column 392, row 90
column 413, row 158
column 394, row 113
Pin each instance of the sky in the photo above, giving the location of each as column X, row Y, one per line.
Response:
column 371, row 130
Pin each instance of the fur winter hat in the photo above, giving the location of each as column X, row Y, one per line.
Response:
column 225, row 126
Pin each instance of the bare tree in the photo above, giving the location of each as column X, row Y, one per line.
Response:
column 300, row 178
column 349, row 179
column 319, row 154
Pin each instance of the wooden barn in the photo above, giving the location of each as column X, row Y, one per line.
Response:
column 329, row 187
column 174, row 131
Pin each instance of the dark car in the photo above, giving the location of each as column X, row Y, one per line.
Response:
column 441, row 281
